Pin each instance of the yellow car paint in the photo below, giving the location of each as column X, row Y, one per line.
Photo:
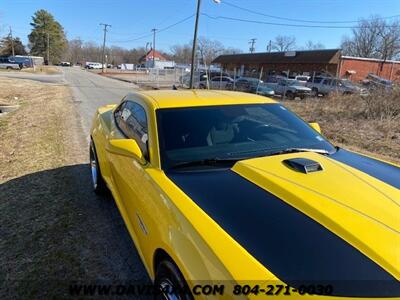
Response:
column 159, row 215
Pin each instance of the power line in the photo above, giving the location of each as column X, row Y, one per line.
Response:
column 297, row 20
column 289, row 25
column 104, row 44
column 151, row 34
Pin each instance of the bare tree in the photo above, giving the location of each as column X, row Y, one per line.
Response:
column 284, row 43
column 209, row 49
column 231, row 50
column 310, row 45
column 181, row 53
column 374, row 38
column 74, row 53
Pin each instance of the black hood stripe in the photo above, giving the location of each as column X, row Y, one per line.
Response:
column 380, row 170
column 296, row 248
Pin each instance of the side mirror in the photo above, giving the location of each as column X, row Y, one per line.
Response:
column 126, row 147
column 315, row 126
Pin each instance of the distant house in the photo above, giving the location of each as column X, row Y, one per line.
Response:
column 149, row 56
column 160, row 62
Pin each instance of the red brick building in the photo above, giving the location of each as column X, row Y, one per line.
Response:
column 357, row 68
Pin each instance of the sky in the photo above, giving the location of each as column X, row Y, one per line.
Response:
column 132, row 20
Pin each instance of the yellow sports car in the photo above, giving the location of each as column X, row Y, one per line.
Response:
column 229, row 195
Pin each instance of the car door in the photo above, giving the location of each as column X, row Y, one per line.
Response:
column 242, row 85
column 128, row 173
column 326, row 86
column 140, row 195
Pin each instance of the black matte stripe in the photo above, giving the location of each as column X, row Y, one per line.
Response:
column 297, row 249
column 375, row 168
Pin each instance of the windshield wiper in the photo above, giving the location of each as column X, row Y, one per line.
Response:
column 216, row 161
column 294, row 150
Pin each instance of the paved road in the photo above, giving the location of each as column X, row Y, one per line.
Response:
column 91, row 91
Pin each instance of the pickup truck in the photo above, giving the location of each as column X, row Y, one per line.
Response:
column 327, row 85
column 5, row 63
column 289, row 88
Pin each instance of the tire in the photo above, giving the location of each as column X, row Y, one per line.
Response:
column 98, row 184
column 8, row 68
column 168, row 277
column 290, row 95
column 202, row 86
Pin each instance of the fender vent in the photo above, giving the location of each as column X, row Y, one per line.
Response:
column 303, row 165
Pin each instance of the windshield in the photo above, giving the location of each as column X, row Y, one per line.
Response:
column 347, row 83
column 294, row 82
column 231, row 131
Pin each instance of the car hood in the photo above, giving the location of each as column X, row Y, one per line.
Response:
column 300, row 88
column 338, row 225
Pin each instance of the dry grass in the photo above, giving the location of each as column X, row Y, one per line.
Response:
column 35, row 214
column 367, row 124
column 54, row 230
column 33, row 138
column 50, row 70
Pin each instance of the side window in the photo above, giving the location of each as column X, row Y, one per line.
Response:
column 134, row 124
column 118, row 114
column 327, row 82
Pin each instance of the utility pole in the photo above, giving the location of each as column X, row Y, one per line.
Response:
column 269, row 47
column 48, row 48
column 194, row 49
column 104, row 45
column 252, row 42
column 154, row 46
column 12, row 42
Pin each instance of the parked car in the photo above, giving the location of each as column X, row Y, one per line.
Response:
column 290, row 88
column 200, row 78
column 22, row 61
column 374, row 82
column 327, row 85
column 6, row 63
column 65, row 64
column 93, row 66
column 219, row 82
column 302, row 79
column 251, row 85
column 223, row 189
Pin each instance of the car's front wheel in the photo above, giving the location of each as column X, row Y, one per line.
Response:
column 170, row 284
column 290, row 95
column 98, row 184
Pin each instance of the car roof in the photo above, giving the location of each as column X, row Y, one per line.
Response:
column 192, row 98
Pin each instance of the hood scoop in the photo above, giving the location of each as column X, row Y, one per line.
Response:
column 303, row 165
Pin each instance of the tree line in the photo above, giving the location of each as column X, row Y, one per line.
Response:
column 372, row 38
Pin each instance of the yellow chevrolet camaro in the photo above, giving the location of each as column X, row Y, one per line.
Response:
column 230, row 195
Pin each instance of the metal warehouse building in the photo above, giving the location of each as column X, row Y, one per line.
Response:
column 309, row 62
